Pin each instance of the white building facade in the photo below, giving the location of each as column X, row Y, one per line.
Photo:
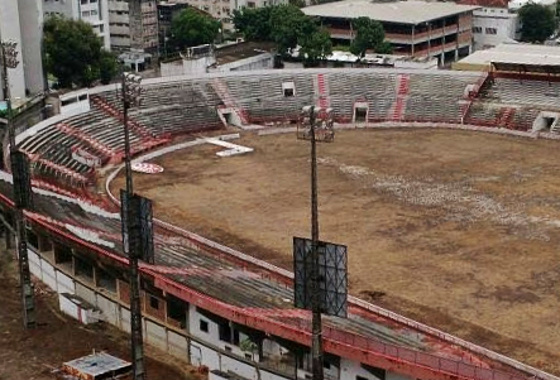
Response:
column 497, row 21
column 222, row 10
column 493, row 24
column 94, row 12
column 134, row 26
column 22, row 22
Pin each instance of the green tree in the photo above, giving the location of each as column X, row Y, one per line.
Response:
column 369, row 35
column 254, row 23
column 297, row 3
column 192, row 28
column 73, row 52
column 287, row 24
column 108, row 67
column 315, row 47
column 537, row 22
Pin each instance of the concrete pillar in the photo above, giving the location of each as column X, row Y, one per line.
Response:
column 429, row 38
column 31, row 18
column 8, row 240
column 10, row 31
column 412, row 42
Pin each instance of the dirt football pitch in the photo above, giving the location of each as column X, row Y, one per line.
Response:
column 460, row 230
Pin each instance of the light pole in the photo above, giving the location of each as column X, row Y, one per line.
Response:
column 316, row 323
column 316, row 120
column 10, row 61
column 131, row 92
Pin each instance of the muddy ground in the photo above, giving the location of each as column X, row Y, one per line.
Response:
column 35, row 354
column 457, row 229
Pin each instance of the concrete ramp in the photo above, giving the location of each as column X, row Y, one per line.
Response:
column 231, row 149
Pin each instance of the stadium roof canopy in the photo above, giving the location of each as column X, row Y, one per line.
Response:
column 400, row 12
column 516, row 58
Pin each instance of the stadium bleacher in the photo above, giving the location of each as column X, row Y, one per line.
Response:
column 181, row 107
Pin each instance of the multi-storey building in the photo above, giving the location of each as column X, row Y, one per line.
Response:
column 133, row 25
column 222, row 9
column 166, row 12
column 493, row 24
column 21, row 22
column 94, row 12
column 497, row 21
column 414, row 28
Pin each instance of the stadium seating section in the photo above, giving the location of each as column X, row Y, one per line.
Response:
column 182, row 107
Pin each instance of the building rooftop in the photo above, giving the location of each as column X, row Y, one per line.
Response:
column 235, row 52
column 400, row 12
column 486, row 3
column 96, row 365
column 515, row 53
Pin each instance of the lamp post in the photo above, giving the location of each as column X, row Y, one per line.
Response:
column 131, row 92
column 9, row 53
column 316, row 323
column 317, row 124
column 9, row 61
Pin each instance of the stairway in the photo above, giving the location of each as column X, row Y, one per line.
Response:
column 96, row 145
column 147, row 139
column 322, row 90
column 398, row 109
column 505, row 119
column 223, row 92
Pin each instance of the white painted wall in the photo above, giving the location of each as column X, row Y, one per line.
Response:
column 95, row 13
column 31, row 20
column 175, row 343
column 10, row 30
column 485, row 20
column 74, row 102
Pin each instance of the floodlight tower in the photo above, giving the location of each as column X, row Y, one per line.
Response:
column 316, row 121
column 316, row 323
column 131, row 92
column 22, row 191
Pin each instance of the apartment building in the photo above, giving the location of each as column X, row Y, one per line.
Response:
column 414, row 28
column 133, row 25
column 21, row 22
column 94, row 12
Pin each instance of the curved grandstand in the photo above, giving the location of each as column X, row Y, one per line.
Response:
column 202, row 301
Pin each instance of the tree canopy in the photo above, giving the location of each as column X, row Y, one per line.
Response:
column 369, row 35
column 287, row 26
column 191, row 28
column 74, row 53
column 254, row 23
column 315, row 47
column 538, row 22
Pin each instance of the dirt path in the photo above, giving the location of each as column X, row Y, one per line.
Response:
column 456, row 229
column 33, row 354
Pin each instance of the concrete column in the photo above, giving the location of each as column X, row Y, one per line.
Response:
column 10, row 31
column 188, row 332
column 8, row 240
column 412, row 43
column 429, row 38
column 31, row 18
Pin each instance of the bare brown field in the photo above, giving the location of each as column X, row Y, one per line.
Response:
column 34, row 354
column 457, row 229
